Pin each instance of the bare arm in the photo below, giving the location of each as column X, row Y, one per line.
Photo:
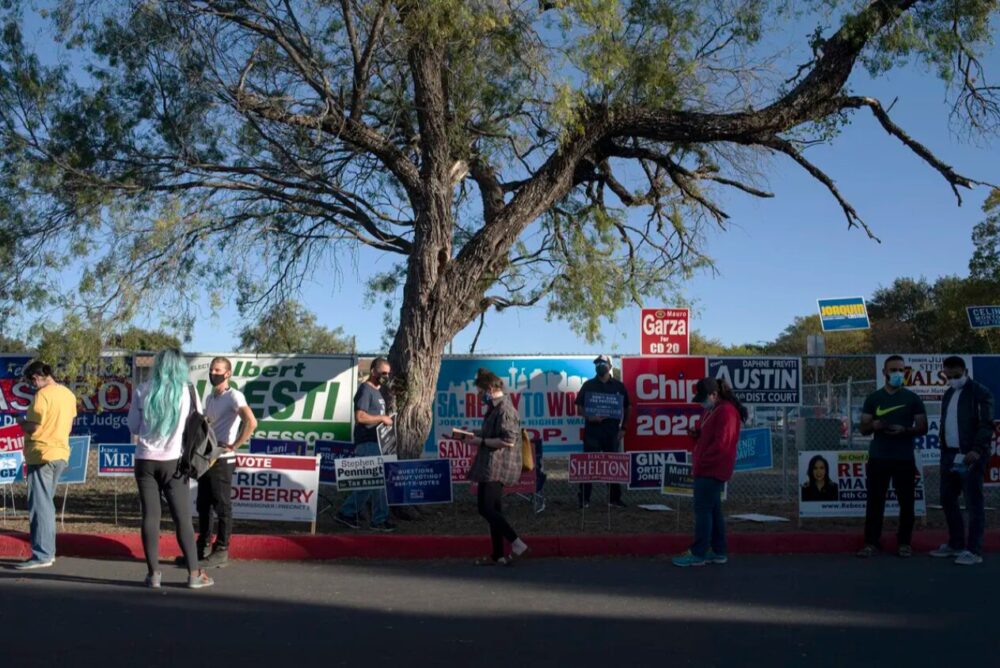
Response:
column 248, row 423
column 361, row 417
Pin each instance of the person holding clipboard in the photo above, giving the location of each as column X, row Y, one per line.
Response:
column 603, row 402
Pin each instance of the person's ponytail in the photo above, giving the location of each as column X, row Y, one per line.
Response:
column 726, row 393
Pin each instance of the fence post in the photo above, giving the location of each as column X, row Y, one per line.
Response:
column 850, row 412
column 784, row 450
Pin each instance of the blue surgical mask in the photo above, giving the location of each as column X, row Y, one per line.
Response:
column 708, row 404
column 896, row 379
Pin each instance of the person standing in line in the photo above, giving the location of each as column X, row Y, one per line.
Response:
column 497, row 463
column 233, row 423
column 893, row 416
column 369, row 415
column 713, row 460
column 156, row 419
column 46, row 428
column 602, row 433
column 966, row 437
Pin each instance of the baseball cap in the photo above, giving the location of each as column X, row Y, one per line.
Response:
column 603, row 359
column 703, row 388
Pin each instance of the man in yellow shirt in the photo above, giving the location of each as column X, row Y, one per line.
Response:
column 46, row 426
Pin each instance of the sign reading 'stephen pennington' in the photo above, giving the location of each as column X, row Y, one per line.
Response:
column 273, row 487
column 543, row 390
column 661, row 391
column 760, row 381
column 294, row 397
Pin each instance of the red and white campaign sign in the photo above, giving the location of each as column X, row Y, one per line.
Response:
column 11, row 438
column 993, row 467
column 600, row 467
column 273, row 487
column 661, row 391
column 461, row 455
column 665, row 331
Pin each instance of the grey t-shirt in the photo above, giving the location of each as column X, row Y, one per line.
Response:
column 369, row 400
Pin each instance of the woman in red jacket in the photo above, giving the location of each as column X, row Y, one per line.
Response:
column 714, row 457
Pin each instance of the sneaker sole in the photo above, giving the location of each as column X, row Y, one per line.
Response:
column 691, row 565
column 35, row 567
column 201, row 585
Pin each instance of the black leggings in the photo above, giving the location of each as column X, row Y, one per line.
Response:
column 489, row 497
column 154, row 477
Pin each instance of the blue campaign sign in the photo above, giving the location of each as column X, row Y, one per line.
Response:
column 329, row 452
column 76, row 472
column 986, row 370
column 115, row 460
column 603, row 405
column 418, row 481
column 761, row 381
column 11, row 464
column 843, row 314
column 754, row 450
column 982, row 317
column 647, row 467
column 270, row 446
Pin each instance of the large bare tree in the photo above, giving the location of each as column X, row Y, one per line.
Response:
column 506, row 153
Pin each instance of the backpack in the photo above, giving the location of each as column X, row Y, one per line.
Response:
column 199, row 448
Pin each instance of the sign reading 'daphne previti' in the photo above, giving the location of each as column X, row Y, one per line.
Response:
column 115, row 460
column 273, row 487
column 418, row 481
column 843, row 313
column 610, row 467
column 760, row 381
column 982, row 317
column 665, row 331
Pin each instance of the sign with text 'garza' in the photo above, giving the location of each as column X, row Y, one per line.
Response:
column 276, row 488
column 612, row 467
column 542, row 389
column 418, row 482
column 843, row 314
column 115, row 460
column 924, row 374
column 836, row 485
column 102, row 415
column 294, row 397
column 760, row 381
column 11, row 465
column 983, row 317
column 665, row 331
column 647, row 467
column 661, row 390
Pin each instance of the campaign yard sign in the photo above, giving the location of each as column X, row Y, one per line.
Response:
column 665, row 331
column 418, row 482
column 272, row 446
column 460, row 454
column 361, row 473
column 983, row 317
column 661, row 391
column 843, row 313
column 760, row 381
column 329, row 452
column 601, row 405
column 646, row 468
column 75, row 472
column 754, row 453
column 844, row 492
column 678, row 480
column 115, row 460
column 273, row 487
column 11, row 463
column 610, row 467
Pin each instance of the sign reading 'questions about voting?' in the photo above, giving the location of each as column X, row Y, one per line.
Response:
column 612, row 467
column 11, row 464
column 603, row 405
column 418, row 482
column 329, row 452
column 647, row 467
column 760, row 381
column 983, row 317
column 115, row 460
column 843, row 314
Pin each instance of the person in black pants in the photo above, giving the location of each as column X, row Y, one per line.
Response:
column 604, row 403
column 893, row 416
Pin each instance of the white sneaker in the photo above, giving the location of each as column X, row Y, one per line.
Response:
column 34, row 564
column 945, row 550
column 966, row 558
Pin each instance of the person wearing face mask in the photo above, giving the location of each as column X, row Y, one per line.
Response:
column 233, row 423
column 369, row 413
column 966, row 435
column 600, row 432
column 893, row 416
column 713, row 460
column 46, row 428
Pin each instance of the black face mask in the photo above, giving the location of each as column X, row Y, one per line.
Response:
column 603, row 369
column 381, row 379
column 216, row 379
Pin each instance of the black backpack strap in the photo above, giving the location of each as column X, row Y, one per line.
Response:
column 194, row 399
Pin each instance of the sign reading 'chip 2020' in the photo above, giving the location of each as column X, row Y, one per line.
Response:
column 665, row 331
column 661, row 392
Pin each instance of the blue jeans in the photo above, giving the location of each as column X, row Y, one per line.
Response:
column 42, row 479
column 358, row 501
column 709, row 525
column 969, row 483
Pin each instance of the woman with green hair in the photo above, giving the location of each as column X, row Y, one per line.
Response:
column 156, row 419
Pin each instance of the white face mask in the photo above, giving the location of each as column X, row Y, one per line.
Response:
column 957, row 383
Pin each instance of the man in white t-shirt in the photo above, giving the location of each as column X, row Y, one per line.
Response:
column 233, row 423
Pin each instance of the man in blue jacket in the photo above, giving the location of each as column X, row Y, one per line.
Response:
column 966, row 434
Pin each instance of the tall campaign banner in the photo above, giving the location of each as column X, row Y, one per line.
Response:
column 542, row 389
column 646, row 470
column 275, row 488
column 610, row 467
column 11, row 465
column 294, row 397
column 843, row 491
column 665, row 331
column 661, row 390
column 115, row 460
column 761, row 381
column 102, row 415
column 924, row 376
column 843, row 313
column 418, row 482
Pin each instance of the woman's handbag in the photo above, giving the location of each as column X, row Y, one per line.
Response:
column 527, row 452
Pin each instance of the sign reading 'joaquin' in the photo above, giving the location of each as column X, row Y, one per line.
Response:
column 295, row 397
column 760, row 381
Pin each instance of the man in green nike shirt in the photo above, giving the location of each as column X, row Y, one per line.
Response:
column 895, row 416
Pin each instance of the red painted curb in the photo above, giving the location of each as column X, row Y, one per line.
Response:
column 365, row 546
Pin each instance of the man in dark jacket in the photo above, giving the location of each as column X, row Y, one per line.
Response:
column 603, row 402
column 966, row 433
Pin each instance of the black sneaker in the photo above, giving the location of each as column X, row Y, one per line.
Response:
column 347, row 521
column 384, row 527
column 218, row 559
